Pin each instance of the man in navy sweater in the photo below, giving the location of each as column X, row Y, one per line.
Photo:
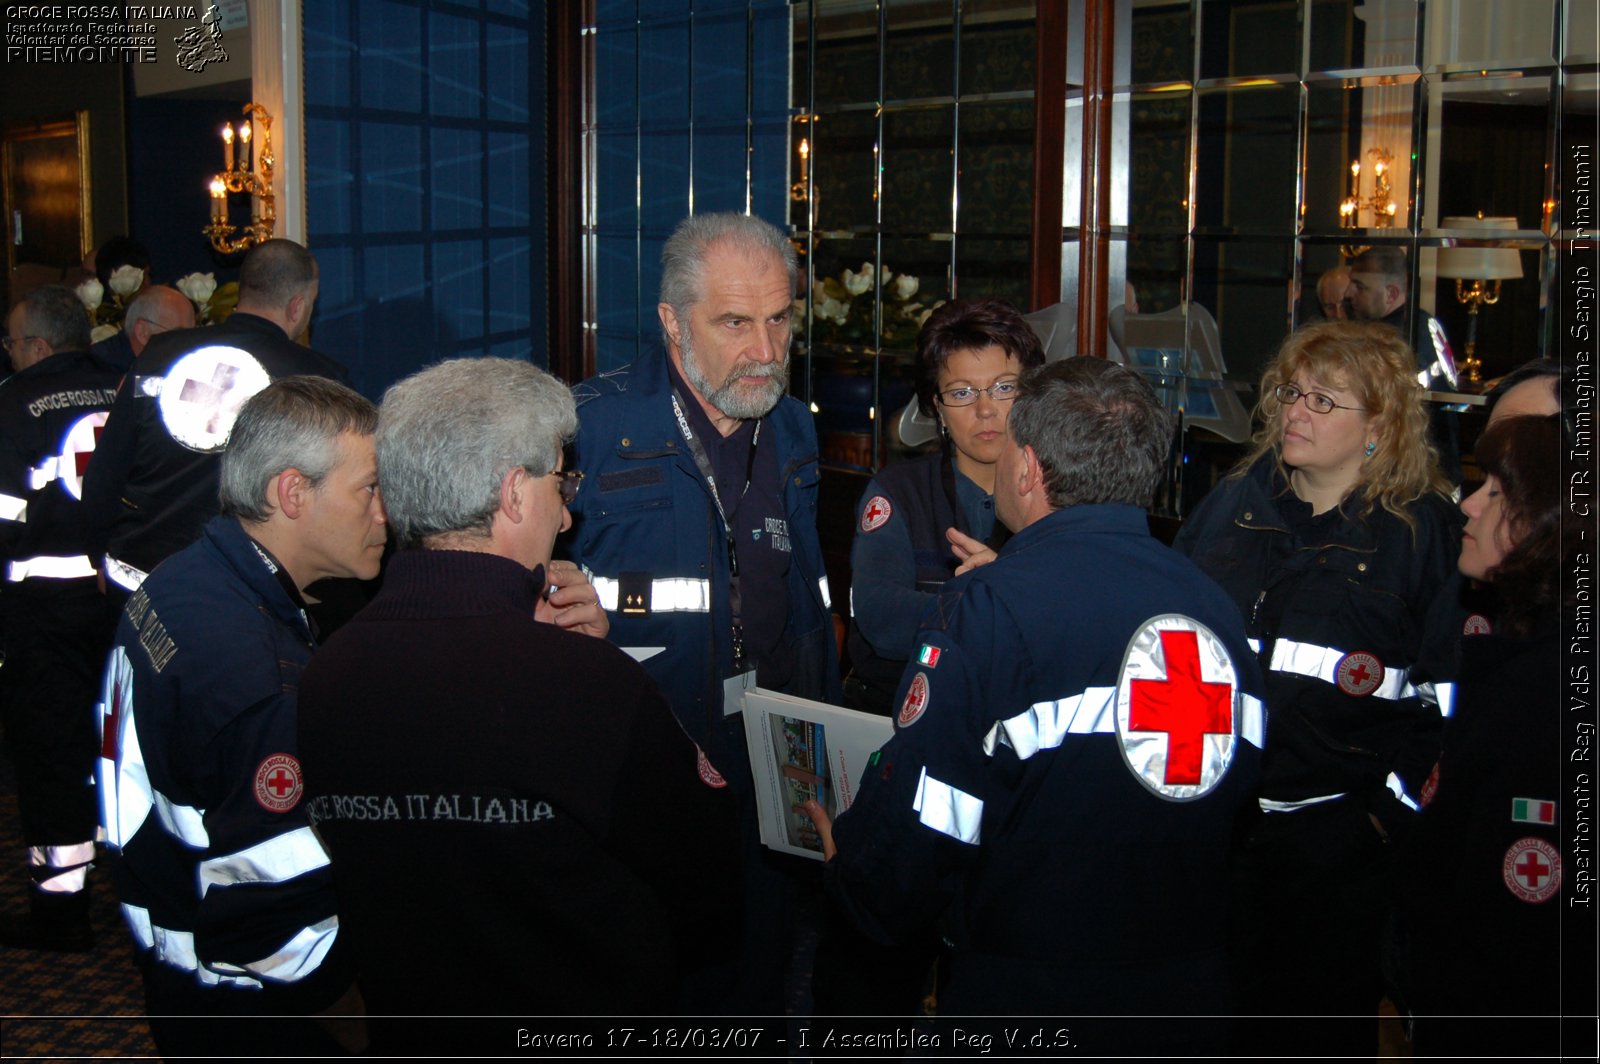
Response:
column 496, row 785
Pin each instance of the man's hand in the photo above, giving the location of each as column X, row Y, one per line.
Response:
column 573, row 604
column 970, row 552
column 824, row 825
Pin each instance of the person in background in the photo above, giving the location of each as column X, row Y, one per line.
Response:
column 153, row 484
column 1072, row 745
column 922, row 520
column 1331, row 288
column 1332, row 537
column 55, row 625
column 1482, row 876
column 1378, row 291
column 520, row 767
column 1538, row 387
column 157, row 309
column 223, row 882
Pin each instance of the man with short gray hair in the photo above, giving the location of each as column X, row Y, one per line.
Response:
column 491, row 780
column 1072, row 743
column 223, row 882
column 699, row 521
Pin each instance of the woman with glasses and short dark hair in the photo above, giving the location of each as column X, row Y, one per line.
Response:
column 1333, row 536
column 922, row 520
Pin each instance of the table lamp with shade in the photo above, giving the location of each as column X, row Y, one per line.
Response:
column 1477, row 268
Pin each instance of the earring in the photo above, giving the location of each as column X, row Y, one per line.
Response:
column 1372, row 448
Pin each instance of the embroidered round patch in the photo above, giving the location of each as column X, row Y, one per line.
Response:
column 876, row 514
column 708, row 772
column 1429, row 787
column 1358, row 673
column 916, row 700
column 1476, row 624
column 279, row 783
column 1175, row 707
column 1532, row 870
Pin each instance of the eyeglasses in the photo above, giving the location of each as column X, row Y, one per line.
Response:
column 1316, row 402
column 9, row 343
column 1002, row 391
column 570, row 480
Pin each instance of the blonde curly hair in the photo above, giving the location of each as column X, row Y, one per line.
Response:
column 1372, row 362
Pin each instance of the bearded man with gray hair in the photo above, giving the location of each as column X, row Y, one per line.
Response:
column 698, row 522
column 490, row 779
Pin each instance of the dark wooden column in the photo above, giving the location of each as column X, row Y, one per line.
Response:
column 1094, row 250
column 1049, row 133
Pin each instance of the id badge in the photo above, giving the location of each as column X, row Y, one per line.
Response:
column 733, row 689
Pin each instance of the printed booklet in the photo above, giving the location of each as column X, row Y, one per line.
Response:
column 799, row 750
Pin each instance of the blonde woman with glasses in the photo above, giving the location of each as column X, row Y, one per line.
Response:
column 1332, row 536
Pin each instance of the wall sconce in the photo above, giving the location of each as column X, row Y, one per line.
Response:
column 1380, row 203
column 1478, row 268
column 257, row 181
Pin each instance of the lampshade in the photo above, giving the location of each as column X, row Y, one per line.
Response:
column 1479, row 263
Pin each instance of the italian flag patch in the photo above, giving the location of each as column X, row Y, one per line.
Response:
column 1533, row 811
column 928, row 655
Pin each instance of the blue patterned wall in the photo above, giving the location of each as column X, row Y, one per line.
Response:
column 425, row 178
column 691, row 112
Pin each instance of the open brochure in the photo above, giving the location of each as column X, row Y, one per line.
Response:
column 799, row 750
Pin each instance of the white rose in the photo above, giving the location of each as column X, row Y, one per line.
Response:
column 197, row 287
column 101, row 332
column 91, row 293
column 905, row 286
column 857, row 283
column 126, row 280
column 831, row 309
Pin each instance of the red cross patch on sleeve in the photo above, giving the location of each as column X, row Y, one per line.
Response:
column 279, row 783
column 876, row 513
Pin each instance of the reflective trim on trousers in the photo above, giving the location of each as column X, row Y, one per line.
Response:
column 13, row 508
column 75, row 860
column 1043, row 725
column 1272, row 805
column 827, row 599
column 1441, row 695
column 280, row 858
column 1399, row 789
column 667, row 595
column 948, row 810
column 1322, row 663
column 176, row 948
column 124, row 575
column 55, row 567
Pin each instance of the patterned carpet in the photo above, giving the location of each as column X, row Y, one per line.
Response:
column 66, row 1004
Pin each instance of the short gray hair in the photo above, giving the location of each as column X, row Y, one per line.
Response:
column 292, row 423
column 448, row 435
column 55, row 314
column 1100, row 433
column 683, row 260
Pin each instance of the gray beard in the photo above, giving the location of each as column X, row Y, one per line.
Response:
column 728, row 398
